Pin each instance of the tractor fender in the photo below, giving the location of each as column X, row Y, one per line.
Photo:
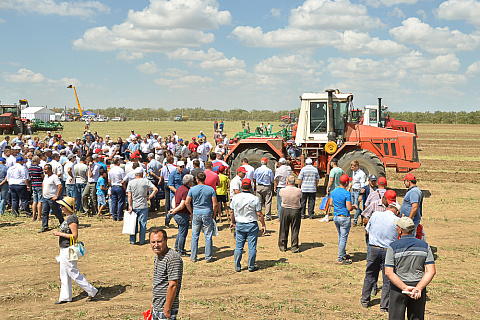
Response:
column 274, row 145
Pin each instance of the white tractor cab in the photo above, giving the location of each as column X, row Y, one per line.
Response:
column 316, row 124
column 370, row 115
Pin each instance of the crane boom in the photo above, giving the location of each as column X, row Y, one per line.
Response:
column 76, row 97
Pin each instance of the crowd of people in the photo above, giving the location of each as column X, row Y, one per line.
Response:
column 101, row 176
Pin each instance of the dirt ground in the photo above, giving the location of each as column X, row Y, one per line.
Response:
column 307, row 285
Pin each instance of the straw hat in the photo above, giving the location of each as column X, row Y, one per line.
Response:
column 67, row 202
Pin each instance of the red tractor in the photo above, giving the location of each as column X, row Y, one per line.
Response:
column 370, row 118
column 324, row 131
column 10, row 118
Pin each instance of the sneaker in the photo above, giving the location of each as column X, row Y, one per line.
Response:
column 364, row 304
column 384, row 310
column 167, row 223
column 374, row 291
column 282, row 249
column 324, row 219
column 210, row 260
column 238, row 270
column 295, row 250
column 43, row 230
column 253, row 269
column 89, row 299
column 61, row 302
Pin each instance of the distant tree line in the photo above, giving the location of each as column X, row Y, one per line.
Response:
column 439, row 117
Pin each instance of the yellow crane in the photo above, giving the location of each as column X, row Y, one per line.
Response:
column 76, row 97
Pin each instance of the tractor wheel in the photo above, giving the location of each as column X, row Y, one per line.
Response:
column 369, row 162
column 254, row 156
column 18, row 128
column 1, row 132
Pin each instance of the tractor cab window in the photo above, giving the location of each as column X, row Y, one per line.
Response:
column 339, row 112
column 373, row 116
column 318, row 117
column 382, row 117
column 9, row 110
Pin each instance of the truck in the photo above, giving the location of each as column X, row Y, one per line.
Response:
column 324, row 131
column 10, row 118
column 180, row 118
column 371, row 118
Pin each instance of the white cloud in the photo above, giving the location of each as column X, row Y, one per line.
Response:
column 129, row 56
column 474, row 68
column 362, row 43
column 148, row 68
column 276, row 12
column 397, row 12
column 388, row 3
column 468, row 10
column 416, row 63
column 333, row 15
column 25, row 75
column 442, row 79
column 212, row 59
column 434, row 40
column 422, row 14
column 183, row 82
column 163, row 26
column 61, row 8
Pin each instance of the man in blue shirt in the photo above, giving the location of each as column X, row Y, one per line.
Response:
column 263, row 178
column 202, row 201
column 175, row 181
column 3, row 185
column 412, row 202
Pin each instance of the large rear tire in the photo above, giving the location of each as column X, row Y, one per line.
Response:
column 254, row 156
column 18, row 128
column 369, row 162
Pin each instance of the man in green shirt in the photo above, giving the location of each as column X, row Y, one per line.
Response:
column 334, row 181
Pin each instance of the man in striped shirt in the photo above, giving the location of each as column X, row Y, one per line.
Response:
column 308, row 182
column 167, row 277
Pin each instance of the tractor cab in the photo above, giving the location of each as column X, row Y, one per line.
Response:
column 371, row 116
column 316, row 124
column 13, row 109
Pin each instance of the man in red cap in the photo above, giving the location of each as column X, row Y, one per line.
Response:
column 193, row 145
column 262, row 180
column 378, row 193
column 412, row 202
column 246, row 211
column 236, row 183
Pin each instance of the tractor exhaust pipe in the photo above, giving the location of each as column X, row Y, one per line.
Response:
column 331, row 125
column 379, row 113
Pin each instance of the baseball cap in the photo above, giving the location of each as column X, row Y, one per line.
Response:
column 17, row 148
column 282, row 160
column 396, row 205
column 221, row 168
column 49, row 132
column 139, row 170
column 95, row 156
column 97, row 150
column 391, row 196
column 200, row 140
column 308, row 161
column 264, row 159
column 344, row 178
column 70, row 143
column 201, row 131
column 242, row 169
column 180, row 163
column 193, row 138
column 372, row 177
column 246, row 182
column 409, row 176
column 180, row 139
column 70, row 156
column 2, row 159
column 290, row 141
column 151, row 155
column 155, row 134
column 19, row 158
column 107, row 136
column 405, row 223
column 132, row 130
column 55, row 153
column 63, row 151
column 28, row 136
column 382, row 181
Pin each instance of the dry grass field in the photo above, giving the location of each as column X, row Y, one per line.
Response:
column 307, row 285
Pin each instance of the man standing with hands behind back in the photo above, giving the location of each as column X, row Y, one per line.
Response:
column 167, row 277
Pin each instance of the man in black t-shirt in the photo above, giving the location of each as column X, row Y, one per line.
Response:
column 167, row 277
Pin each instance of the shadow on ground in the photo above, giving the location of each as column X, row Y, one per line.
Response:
column 104, row 293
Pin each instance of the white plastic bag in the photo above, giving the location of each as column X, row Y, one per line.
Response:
column 129, row 222
column 215, row 228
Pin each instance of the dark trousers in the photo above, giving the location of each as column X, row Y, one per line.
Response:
column 310, row 196
column 375, row 263
column 290, row 219
column 20, row 195
column 47, row 205
column 399, row 302
column 167, row 198
column 118, row 200
column 90, row 191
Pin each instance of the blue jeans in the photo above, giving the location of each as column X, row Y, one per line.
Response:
column 243, row 232
column 3, row 197
column 47, row 205
column 37, row 194
column 343, row 225
column 279, row 203
column 158, row 315
column 183, row 221
column 118, row 200
column 355, row 195
column 171, row 204
column 19, row 195
column 205, row 222
column 79, row 188
column 71, row 190
column 142, row 216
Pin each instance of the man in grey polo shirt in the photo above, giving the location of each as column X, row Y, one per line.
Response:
column 410, row 266
column 281, row 175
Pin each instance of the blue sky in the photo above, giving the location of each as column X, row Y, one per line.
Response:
column 417, row 55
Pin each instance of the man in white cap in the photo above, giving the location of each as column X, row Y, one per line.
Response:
column 139, row 191
column 308, row 182
column 133, row 136
column 175, row 181
column 382, row 233
column 153, row 174
column 410, row 266
column 281, row 175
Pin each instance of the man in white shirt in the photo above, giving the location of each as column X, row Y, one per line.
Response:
column 358, row 182
column 236, row 183
column 19, row 182
column 202, row 150
column 3, row 144
column 249, row 168
column 115, row 177
column 51, row 190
